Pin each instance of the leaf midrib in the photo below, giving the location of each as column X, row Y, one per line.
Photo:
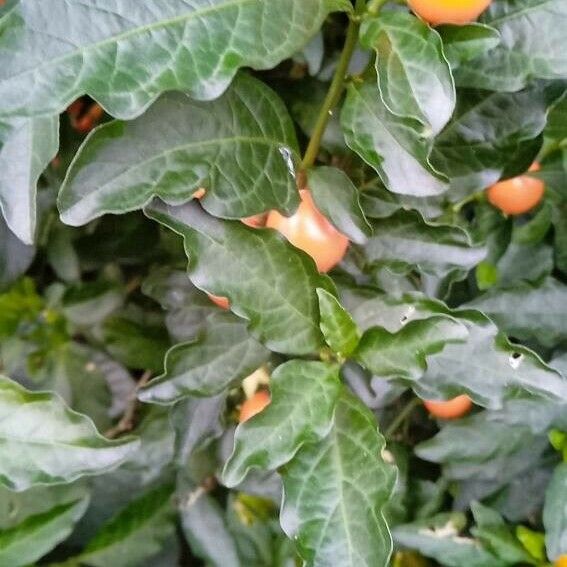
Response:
column 141, row 29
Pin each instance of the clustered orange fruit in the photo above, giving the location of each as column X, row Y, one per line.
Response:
column 83, row 118
column 307, row 229
column 448, row 11
column 561, row 561
column 518, row 195
column 254, row 405
column 450, row 409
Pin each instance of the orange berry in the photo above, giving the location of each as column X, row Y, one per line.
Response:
column 450, row 409
column 448, row 11
column 310, row 231
column 254, row 405
column 517, row 195
column 222, row 302
column 256, row 221
column 561, row 561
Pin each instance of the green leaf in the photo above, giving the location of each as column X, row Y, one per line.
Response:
column 488, row 132
column 303, row 397
column 337, row 326
column 555, row 513
column 414, row 77
column 134, row 534
column 528, row 310
column 15, row 256
column 34, row 537
column 497, row 536
column 520, row 262
column 405, row 240
column 87, row 304
column 196, row 422
column 485, row 366
column 195, row 47
column 392, row 145
column 238, row 148
column 268, row 281
column 518, row 59
column 43, row 442
column 222, row 355
column 463, row 43
column 136, row 344
column 338, row 199
column 404, row 354
column 27, row 145
column 439, row 538
column 335, row 491
column 206, row 532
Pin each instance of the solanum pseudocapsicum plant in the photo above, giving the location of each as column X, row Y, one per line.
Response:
column 400, row 174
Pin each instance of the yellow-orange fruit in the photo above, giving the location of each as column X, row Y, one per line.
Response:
column 254, row 405
column 561, row 561
column 450, row 409
column 222, row 302
column 310, row 231
column 448, row 11
column 518, row 195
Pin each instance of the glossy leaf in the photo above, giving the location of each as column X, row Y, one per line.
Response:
column 206, row 366
column 488, row 132
column 303, row 398
column 338, row 199
column 43, row 442
column 520, row 56
column 555, row 513
column 392, row 145
column 34, row 537
column 276, row 293
column 26, row 147
column 404, row 354
column 238, row 148
column 337, row 326
column 136, row 533
column 335, row 491
column 196, row 47
column 528, row 310
column 406, row 240
column 461, row 43
column 414, row 77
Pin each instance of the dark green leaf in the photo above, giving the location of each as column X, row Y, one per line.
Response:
column 222, row 355
column 43, row 442
column 555, row 513
column 88, row 304
column 487, row 133
column 34, row 537
column 196, row 421
column 196, row 47
column 268, row 282
column 136, row 533
column 404, row 354
column 136, row 344
column 335, row 492
column 392, row 145
column 337, row 198
column 205, row 528
column 414, row 77
column 463, row 43
column 518, row 59
column 339, row 330
column 405, row 240
column 528, row 310
column 301, row 412
column 238, row 148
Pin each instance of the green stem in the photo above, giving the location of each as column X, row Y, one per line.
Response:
column 335, row 90
column 469, row 199
column 374, row 6
column 401, row 417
